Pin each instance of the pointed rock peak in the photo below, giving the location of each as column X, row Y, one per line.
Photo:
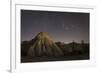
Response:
column 43, row 45
column 42, row 33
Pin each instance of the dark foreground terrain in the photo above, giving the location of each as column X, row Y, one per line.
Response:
column 46, row 59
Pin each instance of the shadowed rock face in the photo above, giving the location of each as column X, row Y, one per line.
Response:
column 43, row 45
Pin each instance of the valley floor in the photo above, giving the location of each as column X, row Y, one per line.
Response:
column 64, row 58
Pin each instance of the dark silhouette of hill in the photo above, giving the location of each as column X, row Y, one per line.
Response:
column 43, row 48
column 74, row 48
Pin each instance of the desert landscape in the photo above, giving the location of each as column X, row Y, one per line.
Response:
column 43, row 48
column 54, row 36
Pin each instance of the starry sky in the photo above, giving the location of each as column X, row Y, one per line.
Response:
column 61, row 26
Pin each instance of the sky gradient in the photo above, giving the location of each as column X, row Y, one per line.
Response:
column 61, row 26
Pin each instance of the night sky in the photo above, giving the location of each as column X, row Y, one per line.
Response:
column 61, row 26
